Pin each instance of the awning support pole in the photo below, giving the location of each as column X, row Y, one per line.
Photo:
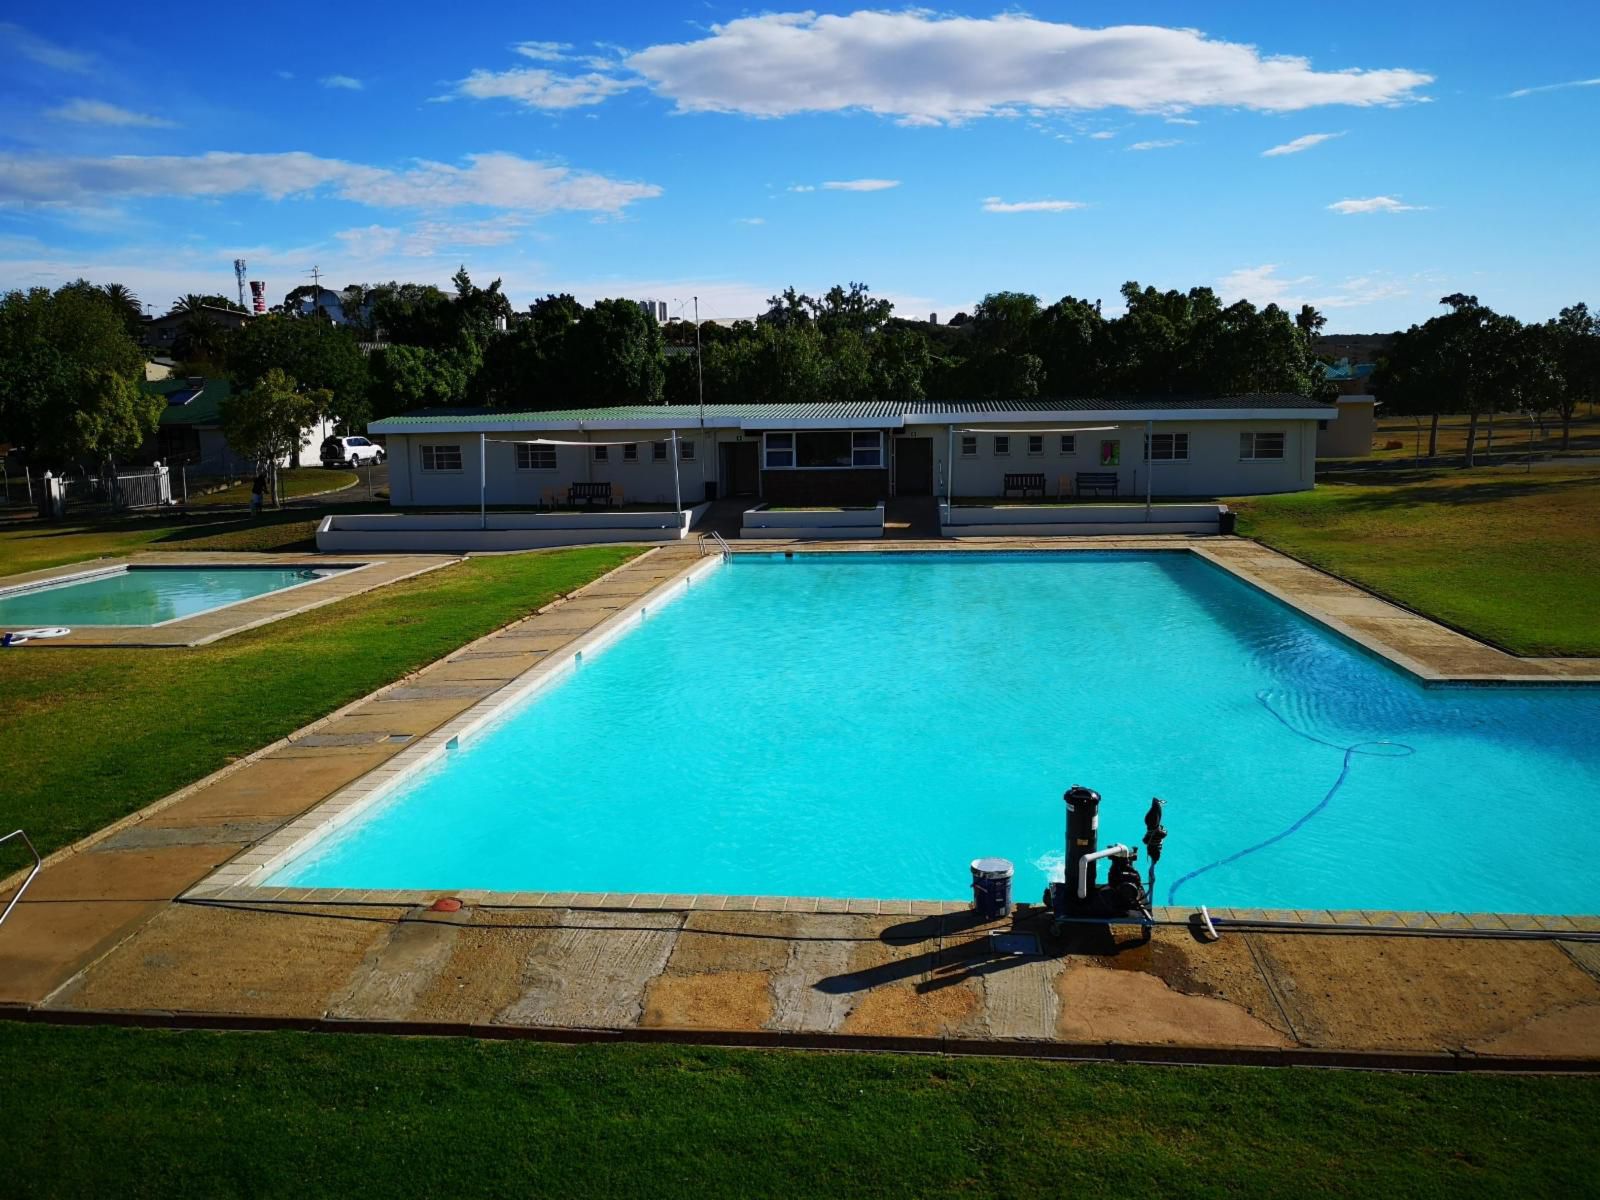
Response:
column 677, row 489
column 1149, row 475
column 483, row 481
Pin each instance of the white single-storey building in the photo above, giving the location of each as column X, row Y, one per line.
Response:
column 839, row 453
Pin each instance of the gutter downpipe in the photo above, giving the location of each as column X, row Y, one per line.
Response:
column 677, row 488
column 950, row 475
column 483, row 481
column 1149, row 475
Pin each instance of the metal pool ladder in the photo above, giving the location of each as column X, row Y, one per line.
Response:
column 37, row 863
column 718, row 545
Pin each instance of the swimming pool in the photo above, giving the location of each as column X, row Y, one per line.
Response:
column 841, row 725
column 140, row 595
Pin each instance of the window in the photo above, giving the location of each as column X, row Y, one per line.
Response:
column 822, row 449
column 658, row 452
column 630, row 453
column 1258, row 447
column 441, row 458
column 1069, row 444
column 1168, row 447
column 686, row 451
column 1002, row 445
column 780, row 451
column 600, row 453
column 1036, row 443
column 358, row 441
column 969, row 445
column 535, row 458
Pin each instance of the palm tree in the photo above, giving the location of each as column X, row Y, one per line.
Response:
column 124, row 301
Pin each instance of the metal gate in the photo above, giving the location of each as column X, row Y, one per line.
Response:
column 143, row 489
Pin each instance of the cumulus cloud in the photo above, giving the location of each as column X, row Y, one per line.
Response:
column 925, row 68
column 1103, row 135
column 1300, row 143
column 540, row 87
column 98, row 112
column 860, row 185
column 348, row 83
column 1263, row 285
column 45, row 53
column 996, row 205
column 1157, row 144
column 1373, row 204
column 496, row 180
column 429, row 238
column 1553, row 87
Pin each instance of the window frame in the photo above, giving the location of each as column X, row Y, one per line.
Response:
column 1032, row 438
column 780, row 450
column 1251, row 437
column 430, row 451
column 969, row 446
column 685, row 450
column 529, row 450
column 1172, row 438
column 658, row 452
column 630, row 452
column 601, row 454
column 1069, row 445
column 1001, row 446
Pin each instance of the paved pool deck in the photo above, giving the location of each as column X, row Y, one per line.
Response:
column 363, row 574
column 136, row 923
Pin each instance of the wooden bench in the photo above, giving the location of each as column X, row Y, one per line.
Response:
column 1095, row 483
column 1023, row 484
column 589, row 493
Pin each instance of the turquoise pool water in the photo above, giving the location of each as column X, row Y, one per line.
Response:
column 146, row 595
column 866, row 724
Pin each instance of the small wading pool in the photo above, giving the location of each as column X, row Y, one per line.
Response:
column 866, row 724
column 146, row 596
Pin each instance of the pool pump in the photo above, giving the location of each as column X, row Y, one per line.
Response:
column 1080, row 894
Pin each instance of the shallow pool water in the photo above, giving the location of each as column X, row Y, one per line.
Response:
column 866, row 724
column 146, row 595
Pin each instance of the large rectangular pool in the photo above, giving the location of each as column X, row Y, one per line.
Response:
column 139, row 595
column 841, row 725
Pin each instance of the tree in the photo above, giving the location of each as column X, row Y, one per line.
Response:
column 268, row 420
column 126, row 305
column 70, row 377
column 615, row 355
column 1411, row 379
column 195, row 304
column 318, row 356
column 1477, row 359
column 1577, row 350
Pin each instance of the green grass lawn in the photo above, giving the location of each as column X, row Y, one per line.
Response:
column 91, row 735
column 123, row 1112
column 1510, row 556
column 33, row 545
column 295, row 481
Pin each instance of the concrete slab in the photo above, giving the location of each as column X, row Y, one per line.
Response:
column 592, row 971
column 43, row 944
column 151, row 873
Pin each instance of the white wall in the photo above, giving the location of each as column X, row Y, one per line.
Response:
column 645, row 481
column 1351, row 434
column 1213, row 469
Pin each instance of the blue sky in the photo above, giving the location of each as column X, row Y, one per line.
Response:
column 667, row 150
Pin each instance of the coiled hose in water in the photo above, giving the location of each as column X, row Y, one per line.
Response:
column 1388, row 749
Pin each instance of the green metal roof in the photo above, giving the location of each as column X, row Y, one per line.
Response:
column 670, row 415
column 203, row 409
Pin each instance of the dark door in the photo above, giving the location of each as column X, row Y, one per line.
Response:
column 913, row 466
column 745, row 477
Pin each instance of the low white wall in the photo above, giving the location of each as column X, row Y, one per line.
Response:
column 1075, row 520
column 456, row 533
column 849, row 523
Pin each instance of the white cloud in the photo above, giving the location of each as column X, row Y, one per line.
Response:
column 1104, row 135
column 1157, row 144
column 496, row 180
column 45, row 53
column 1553, row 87
column 429, row 238
column 996, row 205
column 802, row 187
column 923, row 67
column 1263, row 285
column 98, row 112
column 347, row 82
column 1181, row 121
column 860, row 185
column 1373, row 204
column 1304, row 142
column 539, row 87
column 749, row 220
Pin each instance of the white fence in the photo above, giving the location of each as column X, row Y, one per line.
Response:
column 143, row 489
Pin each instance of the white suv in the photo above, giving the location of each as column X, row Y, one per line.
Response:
column 350, row 452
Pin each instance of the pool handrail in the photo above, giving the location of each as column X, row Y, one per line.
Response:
column 38, row 863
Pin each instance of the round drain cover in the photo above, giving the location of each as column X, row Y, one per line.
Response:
column 446, row 904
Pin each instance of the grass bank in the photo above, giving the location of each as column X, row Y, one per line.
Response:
column 33, row 545
column 118, row 1112
column 1509, row 556
column 292, row 482
column 92, row 735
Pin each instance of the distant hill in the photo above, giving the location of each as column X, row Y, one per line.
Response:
column 1357, row 347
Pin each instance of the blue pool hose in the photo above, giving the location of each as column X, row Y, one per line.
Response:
column 1390, row 750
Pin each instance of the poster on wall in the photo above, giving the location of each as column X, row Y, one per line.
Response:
column 1110, row 454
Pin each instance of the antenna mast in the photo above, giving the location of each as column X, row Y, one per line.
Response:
column 238, row 274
